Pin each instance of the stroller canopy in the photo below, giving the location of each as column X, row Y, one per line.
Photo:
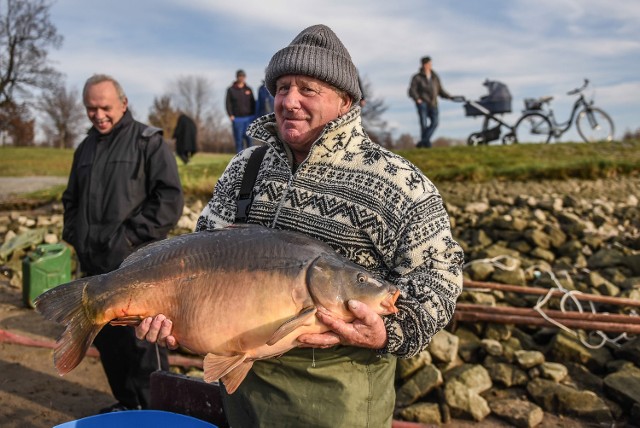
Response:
column 498, row 100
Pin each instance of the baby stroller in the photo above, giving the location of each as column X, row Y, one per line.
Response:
column 497, row 101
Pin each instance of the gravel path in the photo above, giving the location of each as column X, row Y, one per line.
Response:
column 11, row 186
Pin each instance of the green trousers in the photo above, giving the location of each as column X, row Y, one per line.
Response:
column 337, row 387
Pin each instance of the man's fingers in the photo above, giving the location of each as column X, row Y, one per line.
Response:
column 154, row 328
column 143, row 328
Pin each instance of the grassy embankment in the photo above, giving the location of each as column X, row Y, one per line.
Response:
column 475, row 164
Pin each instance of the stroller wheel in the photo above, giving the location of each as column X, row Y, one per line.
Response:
column 475, row 139
column 509, row 138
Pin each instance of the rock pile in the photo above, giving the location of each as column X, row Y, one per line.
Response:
column 586, row 233
column 517, row 373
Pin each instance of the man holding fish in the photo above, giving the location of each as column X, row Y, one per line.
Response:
column 322, row 176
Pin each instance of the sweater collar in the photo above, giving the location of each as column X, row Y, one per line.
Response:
column 335, row 135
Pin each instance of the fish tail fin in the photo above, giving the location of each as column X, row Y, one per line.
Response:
column 216, row 366
column 64, row 305
column 234, row 378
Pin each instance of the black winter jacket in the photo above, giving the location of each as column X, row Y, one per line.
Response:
column 427, row 91
column 124, row 191
column 240, row 101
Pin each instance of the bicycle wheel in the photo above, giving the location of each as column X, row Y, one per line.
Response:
column 533, row 128
column 594, row 125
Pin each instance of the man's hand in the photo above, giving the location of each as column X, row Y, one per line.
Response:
column 366, row 331
column 157, row 330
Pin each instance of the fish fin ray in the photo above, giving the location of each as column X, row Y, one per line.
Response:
column 132, row 320
column 291, row 324
column 64, row 305
column 234, row 378
column 216, row 366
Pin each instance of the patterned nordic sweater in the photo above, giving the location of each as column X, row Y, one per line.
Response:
column 372, row 206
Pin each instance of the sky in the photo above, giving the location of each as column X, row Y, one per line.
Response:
column 535, row 47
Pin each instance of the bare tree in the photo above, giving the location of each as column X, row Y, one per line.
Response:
column 163, row 115
column 194, row 96
column 372, row 113
column 17, row 124
column 26, row 34
column 63, row 115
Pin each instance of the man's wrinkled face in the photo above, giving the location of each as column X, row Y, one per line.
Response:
column 303, row 106
column 104, row 106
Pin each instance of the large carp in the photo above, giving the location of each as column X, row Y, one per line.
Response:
column 235, row 295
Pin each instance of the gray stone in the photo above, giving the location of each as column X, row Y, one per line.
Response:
column 424, row 413
column 420, row 384
column 515, row 277
column 553, row 371
column 570, row 249
column 632, row 262
column 538, row 238
column 529, row 359
column 556, row 236
column 480, row 238
column 631, row 283
column 519, row 413
column 624, row 386
column 630, row 351
column 409, row 366
column 542, row 254
column 444, row 346
column 598, row 282
column 507, row 374
column 480, row 271
column 521, row 246
column 571, row 224
column 481, row 298
column 468, row 345
column 474, row 376
column 465, row 403
column 509, row 222
column 499, row 332
column 567, row 348
column 496, row 250
column 606, row 257
column 492, row 347
column 557, row 398
column 476, row 207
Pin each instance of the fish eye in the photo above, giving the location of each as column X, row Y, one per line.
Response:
column 362, row 278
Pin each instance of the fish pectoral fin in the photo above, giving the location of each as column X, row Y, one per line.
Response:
column 234, row 378
column 216, row 366
column 292, row 323
column 132, row 320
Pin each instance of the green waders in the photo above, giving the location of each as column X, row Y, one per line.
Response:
column 337, row 387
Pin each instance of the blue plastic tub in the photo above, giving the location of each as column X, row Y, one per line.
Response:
column 138, row 419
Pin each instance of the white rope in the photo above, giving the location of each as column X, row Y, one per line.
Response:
column 568, row 295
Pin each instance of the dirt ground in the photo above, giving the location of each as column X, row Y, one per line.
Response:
column 33, row 395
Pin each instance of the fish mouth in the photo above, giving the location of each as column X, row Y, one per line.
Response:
column 389, row 304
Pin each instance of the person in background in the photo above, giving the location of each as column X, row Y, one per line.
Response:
column 185, row 135
column 241, row 108
column 123, row 192
column 265, row 101
column 425, row 89
column 324, row 177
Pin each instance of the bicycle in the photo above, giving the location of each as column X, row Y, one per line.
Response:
column 537, row 125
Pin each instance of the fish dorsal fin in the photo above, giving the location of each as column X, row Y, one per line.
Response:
column 292, row 323
column 216, row 366
column 234, row 378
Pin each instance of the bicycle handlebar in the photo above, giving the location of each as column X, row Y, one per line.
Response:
column 578, row 90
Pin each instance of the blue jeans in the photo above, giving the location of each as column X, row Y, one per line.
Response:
column 428, row 122
column 240, row 125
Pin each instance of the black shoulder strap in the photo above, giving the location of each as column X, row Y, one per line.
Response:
column 245, row 197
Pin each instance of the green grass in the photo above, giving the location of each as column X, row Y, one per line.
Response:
column 474, row 164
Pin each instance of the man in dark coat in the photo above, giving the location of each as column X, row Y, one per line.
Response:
column 124, row 192
column 424, row 90
column 241, row 108
column 185, row 136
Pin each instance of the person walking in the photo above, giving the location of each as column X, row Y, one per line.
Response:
column 241, row 108
column 321, row 175
column 425, row 89
column 185, row 135
column 123, row 192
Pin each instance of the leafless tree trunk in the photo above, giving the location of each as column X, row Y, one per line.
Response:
column 372, row 113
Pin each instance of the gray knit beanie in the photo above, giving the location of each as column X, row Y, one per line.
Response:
column 315, row 52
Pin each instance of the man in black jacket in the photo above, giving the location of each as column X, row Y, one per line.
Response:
column 185, row 135
column 424, row 90
column 241, row 108
column 123, row 192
